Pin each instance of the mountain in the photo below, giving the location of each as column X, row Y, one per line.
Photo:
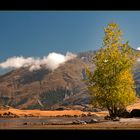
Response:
column 46, row 89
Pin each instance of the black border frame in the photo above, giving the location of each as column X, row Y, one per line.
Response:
column 69, row 6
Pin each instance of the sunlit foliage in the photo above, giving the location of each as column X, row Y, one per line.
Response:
column 111, row 84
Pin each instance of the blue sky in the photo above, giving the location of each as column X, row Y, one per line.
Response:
column 38, row 33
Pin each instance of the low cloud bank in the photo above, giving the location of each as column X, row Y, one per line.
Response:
column 52, row 61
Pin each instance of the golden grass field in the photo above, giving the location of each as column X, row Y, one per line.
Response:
column 126, row 123
column 40, row 113
column 46, row 113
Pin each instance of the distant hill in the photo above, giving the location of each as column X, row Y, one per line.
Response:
column 46, row 89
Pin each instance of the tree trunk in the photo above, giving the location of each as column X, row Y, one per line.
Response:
column 113, row 112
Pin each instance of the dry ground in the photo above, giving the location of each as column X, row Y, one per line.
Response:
column 96, row 126
column 63, row 112
column 130, row 123
column 40, row 113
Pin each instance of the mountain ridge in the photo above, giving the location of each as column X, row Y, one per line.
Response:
column 46, row 89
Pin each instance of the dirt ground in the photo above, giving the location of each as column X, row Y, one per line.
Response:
column 61, row 113
column 124, row 123
column 89, row 127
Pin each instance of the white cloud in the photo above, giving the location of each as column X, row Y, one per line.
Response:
column 138, row 48
column 52, row 61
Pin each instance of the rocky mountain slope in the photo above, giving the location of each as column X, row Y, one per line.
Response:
column 46, row 89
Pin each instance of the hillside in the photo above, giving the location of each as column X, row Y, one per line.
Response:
column 46, row 89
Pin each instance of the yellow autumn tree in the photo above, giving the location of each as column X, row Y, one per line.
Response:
column 111, row 84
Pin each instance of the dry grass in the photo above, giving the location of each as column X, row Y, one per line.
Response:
column 50, row 113
column 41, row 113
column 134, row 106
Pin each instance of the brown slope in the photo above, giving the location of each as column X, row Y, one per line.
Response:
column 43, row 88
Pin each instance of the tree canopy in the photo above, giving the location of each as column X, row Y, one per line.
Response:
column 111, row 84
